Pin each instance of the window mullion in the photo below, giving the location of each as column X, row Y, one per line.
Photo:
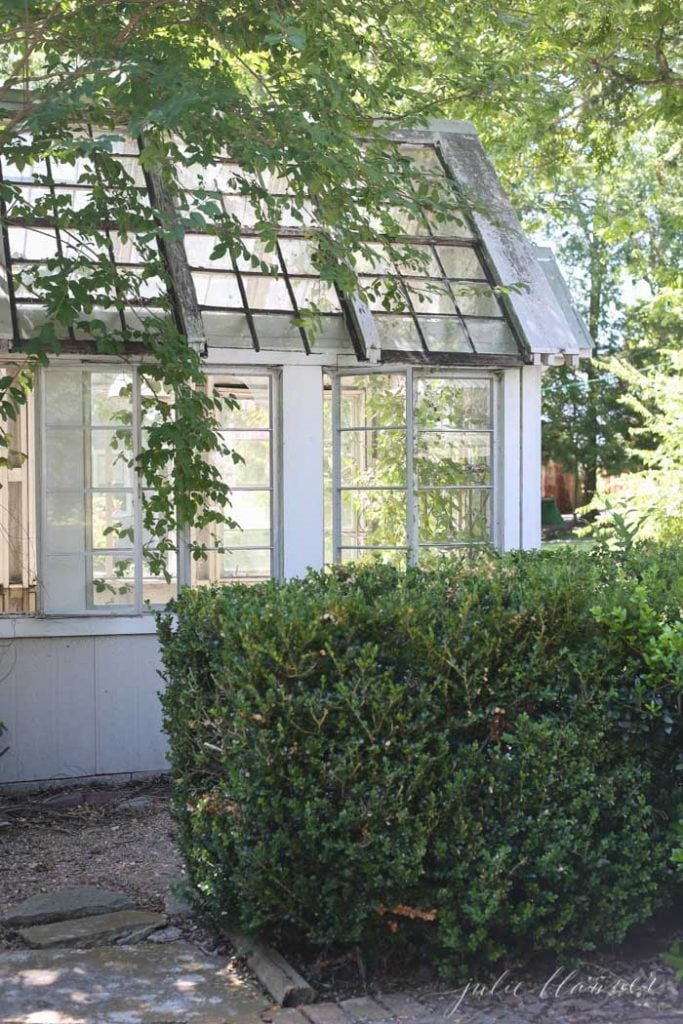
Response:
column 86, row 429
column 411, row 487
column 336, row 469
column 137, row 492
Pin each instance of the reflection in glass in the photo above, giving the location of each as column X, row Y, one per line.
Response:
column 456, row 403
column 245, row 552
column 449, row 459
column 424, row 480
column 373, row 457
column 371, row 518
column 112, row 519
column 111, row 454
column 113, row 580
column 454, row 517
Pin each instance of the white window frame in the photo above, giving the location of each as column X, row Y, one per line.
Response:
column 409, row 371
column 184, row 557
column 274, row 374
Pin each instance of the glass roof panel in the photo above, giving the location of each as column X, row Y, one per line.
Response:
column 430, row 295
column 217, row 290
column 444, row 334
column 398, row 333
column 460, row 261
column 264, row 293
column 492, row 337
column 444, row 312
column 298, row 255
column 476, row 299
column 199, row 249
column 314, row 293
column 32, row 243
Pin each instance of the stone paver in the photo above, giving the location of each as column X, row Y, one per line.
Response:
column 172, row 984
column 170, row 934
column 63, row 904
column 402, row 1006
column 325, row 1013
column 175, row 904
column 288, row 1016
column 364, row 1009
column 136, row 803
column 131, row 925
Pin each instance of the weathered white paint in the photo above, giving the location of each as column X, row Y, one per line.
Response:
column 80, row 706
column 22, row 626
column 509, row 469
column 530, row 437
column 302, row 469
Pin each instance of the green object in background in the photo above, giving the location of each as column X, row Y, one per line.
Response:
column 550, row 513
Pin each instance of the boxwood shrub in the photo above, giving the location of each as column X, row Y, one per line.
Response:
column 472, row 762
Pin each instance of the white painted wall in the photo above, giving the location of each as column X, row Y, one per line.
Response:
column 519, row 459
column 302, row 469
column 78, row 706
column 530, row 477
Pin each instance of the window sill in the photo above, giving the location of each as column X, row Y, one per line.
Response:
column 47, row 626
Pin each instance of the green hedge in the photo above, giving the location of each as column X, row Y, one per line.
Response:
column 473, row 762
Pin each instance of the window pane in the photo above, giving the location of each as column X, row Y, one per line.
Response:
column 254, row 470
column 217, row 289
column 267, row 293
column 398, row 333
column 113, row 580
column 389, row 556
column 17, row 517
column 252, row 398
column 449, row 402
column 111, row 399
column 64, row 459
column 63, row 589
column 476, row 300
column 453, row 517
column 298, row 255
column 156, row 589
column 246, row 565
column 111, row 454
column 313, row 292
column 461, row 261
column 247, row 430
column 444, row 334
column 372, row 457
column 32, row 243
column 452, row 460
column 373, row 518
column 373, row 400
column 199, row 249
column 65, row 527
column 492, row 336
column 63, row 398
column 152, row 393
column 430, row 296
column 112, row 519
column 251, row 511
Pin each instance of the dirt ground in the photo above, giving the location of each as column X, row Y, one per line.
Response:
column 88, row 836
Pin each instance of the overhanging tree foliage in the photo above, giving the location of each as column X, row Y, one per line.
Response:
column 293, row 91
column 293, row 88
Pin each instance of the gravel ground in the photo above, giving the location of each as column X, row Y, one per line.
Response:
column 89, row 837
